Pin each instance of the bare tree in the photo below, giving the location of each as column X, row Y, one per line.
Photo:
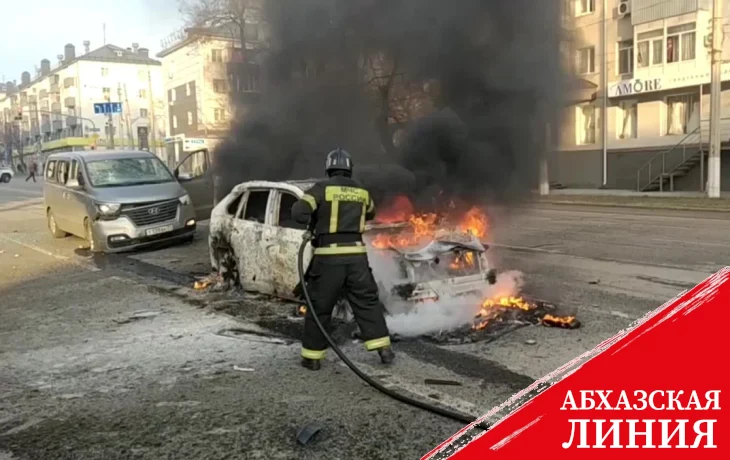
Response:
column 216, row 13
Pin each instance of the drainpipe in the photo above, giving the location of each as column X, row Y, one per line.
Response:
column 604, row 75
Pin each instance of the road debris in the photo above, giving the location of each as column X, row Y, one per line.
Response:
column 242, row 369
column 307, row 433
column 531, row 342
column 138, row 316
column 452, row 383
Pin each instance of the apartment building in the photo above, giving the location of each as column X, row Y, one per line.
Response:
column 54, row 109
column 656, row 59
column 209, row 80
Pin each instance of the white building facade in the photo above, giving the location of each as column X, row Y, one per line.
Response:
column 54, row 110
column 657, row 63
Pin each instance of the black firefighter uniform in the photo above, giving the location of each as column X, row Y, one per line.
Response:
column 336, row 210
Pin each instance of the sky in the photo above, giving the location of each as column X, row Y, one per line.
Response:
column 36, row 29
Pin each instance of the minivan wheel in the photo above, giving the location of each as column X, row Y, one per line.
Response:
column 53, row 227
column 89, row 236
column 5, row 178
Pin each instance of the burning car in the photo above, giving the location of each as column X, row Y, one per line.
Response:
column 254, row 242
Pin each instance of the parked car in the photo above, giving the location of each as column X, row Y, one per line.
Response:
column 116, row 200
column 6, row 174
column 253, row 236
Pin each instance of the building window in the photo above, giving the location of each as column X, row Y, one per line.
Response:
column 681, row 43
column 586, row 124
column 219, row 115
column 190, row 118
column 189, row 89
column 143, row 94
column 625, row 57
column 251, row 31
column 104, row 71
column 585, row 6
column 107, row 92
column 649, row 49
column 586, row 61
column 219, row 86
column 143, row 113
column 171, row 95
column 174, row 121
column 627, row 120
column 683, row 114
column 216, row 55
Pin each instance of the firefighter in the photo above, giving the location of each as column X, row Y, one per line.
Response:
column 336, row 210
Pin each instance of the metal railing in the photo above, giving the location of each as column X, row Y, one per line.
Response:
column 661, row 165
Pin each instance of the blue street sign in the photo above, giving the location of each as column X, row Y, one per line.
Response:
column 104, row 108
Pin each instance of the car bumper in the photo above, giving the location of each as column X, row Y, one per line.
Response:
column 121, row 235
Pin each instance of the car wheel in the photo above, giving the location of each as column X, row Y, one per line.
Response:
column 5, row 178
column 53, row 226
column 89, row 236
column 188, row 239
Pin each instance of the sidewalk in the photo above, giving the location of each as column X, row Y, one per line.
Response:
column 690, row 201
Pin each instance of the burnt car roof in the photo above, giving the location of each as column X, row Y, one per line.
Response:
column 303, row 184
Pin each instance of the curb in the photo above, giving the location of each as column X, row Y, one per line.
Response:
column 634, row 206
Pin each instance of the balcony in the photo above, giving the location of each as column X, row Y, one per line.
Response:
column 69, row 82
column 44, row 106
column 58, row 125
column 70, row 102
column 43, row 94
column 32, row 99
column 72, row 121
column 46, row 127
column 56, row 107
column 54, row 88
column 643, row 11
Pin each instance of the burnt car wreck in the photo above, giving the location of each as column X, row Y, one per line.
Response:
column 254, row 241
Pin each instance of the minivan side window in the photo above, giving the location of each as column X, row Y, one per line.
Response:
column 62, row 172
column 74, row 173
column 51, row 170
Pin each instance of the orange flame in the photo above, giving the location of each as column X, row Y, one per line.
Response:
column 423, row 226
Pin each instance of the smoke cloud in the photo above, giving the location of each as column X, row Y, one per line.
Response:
column 433, row 99
column 450, row 313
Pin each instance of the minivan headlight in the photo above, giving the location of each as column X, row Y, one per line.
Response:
column 185, row 200
column 108, row 209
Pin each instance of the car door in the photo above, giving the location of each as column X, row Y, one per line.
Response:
column 77, row 198
column 61, row 208
column 248, row 237
column 283, row 238
column 195, row 175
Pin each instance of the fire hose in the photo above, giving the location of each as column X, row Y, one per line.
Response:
column 366, row 378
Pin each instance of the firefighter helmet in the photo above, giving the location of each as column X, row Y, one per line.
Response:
column 338, row 160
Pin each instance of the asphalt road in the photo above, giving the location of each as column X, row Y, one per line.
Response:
column 116, row 357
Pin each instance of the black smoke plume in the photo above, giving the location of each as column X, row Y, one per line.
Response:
column 489, row 72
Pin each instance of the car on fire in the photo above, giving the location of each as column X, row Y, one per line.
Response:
column 254, row 241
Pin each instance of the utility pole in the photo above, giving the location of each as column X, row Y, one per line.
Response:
column 604, row 84
column 122, row 141
column 104, row 29
column 153, row 119
column 129, row 119
column 713, row 162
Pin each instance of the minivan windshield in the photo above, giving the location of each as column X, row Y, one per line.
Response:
column 122, row 172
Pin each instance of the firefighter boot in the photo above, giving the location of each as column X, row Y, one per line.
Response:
column 386, row 355
column 312, row 364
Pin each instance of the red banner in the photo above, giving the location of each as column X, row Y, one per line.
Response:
column 654, row 390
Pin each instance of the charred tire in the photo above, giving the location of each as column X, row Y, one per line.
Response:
column 89, row 236
column 492, row 276
column 5, row 178
column 227, row 263
column 53, row 226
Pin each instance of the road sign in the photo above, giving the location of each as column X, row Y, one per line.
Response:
column 105, row 108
